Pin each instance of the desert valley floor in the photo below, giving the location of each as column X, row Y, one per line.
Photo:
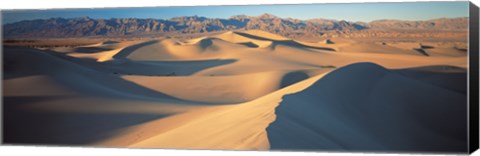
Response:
column 245, row 90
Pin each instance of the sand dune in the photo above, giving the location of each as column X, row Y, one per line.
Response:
column 67, row 74
column 375, row 115
column 243, row 124
column 221, row 89
column 40, row 88
column 433, row 49
column 236, row 38
column 238, row 90
column 265, row 34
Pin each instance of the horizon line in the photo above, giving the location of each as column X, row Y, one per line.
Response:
column 380, row 19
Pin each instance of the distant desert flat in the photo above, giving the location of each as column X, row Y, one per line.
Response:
column 242, row 90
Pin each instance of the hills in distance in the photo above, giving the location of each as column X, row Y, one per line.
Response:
column 88, row 27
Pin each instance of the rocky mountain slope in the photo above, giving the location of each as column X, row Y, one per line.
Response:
column 85, row 26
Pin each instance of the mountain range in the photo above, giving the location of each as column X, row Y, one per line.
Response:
column 86, row 26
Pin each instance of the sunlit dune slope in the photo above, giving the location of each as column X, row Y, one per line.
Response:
column 222, row 89
column 238, row 90
column 240, row 126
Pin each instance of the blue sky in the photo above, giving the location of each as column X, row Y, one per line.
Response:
column 364, row 12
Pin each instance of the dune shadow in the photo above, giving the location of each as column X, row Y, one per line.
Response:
column 149, row 68
column 426, row 47
column 249, row 44
column 92, row 79
column 253, row 36
column 328, row 41
column 292, row 78
column 366, row 107
column 26, row 126
column 295, row 44
column 421, row 51
column 130, row 49
column 89, row 50
column 447, row 77
column 96, row 84
column 205, row 43
column 291, row 43
column 461, row 49
column 110, row 42
column 164, row 68
column 16, row 63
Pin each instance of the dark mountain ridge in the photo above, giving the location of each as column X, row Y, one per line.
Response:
column 87, row 27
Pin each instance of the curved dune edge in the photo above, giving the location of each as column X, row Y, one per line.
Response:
column 223, row 89
column 382, row 110
column 39, row 71
column 249, row 119
column 236, row 38
column 265, row 34
column 214, row 92
column 227, row 44
column 217, row 46
column 261, row 124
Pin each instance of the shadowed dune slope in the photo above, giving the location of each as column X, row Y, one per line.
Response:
column 278, row 40
column 236, row 38
column 172, row 49
column 66, row 74
column 240, row 126
column 365, row 107
column 56, row 100
column 447, row 77
column 245, row 90
column 264, row 34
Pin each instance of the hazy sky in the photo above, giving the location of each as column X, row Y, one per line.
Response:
column 351, row 12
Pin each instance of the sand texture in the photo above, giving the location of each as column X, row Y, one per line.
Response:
column 242, row 90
